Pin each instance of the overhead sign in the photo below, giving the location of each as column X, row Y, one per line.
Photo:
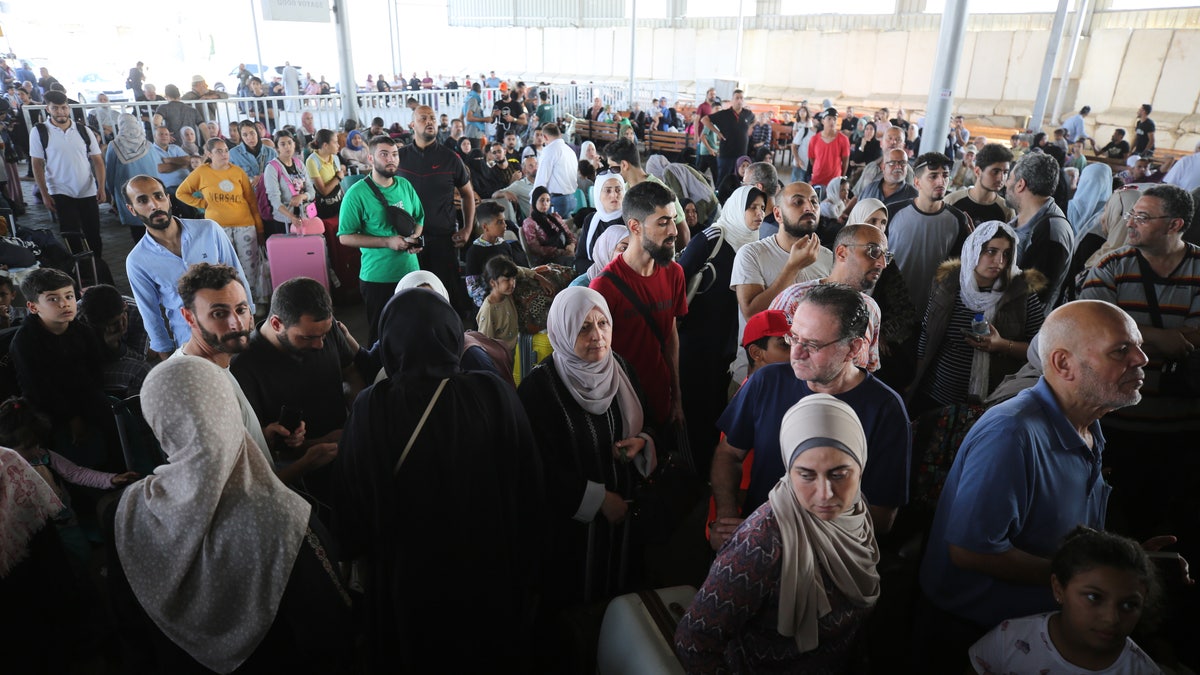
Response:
column 310, row 11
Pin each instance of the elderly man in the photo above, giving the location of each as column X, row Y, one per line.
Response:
column 891, row 187
column 1027, row 474
column 892, row 139
column 826, row 337
column 517, row 193
column 200, row 91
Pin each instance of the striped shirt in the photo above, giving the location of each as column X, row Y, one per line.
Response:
column 1117, row 278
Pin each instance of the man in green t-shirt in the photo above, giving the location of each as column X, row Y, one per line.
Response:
column 545, row 111
column 363, row 224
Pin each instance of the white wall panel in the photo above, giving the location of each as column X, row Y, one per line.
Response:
column 1105, row 53
column 989, row 67
column 1181, row 74
column 1143, row 63
column 1025, row 65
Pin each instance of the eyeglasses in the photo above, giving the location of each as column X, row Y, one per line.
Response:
column 896, row 162
column 1142, row 218
column 875, row 252
column 808, row 347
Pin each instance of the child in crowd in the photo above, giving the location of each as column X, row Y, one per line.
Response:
column 57, row 361
column 497, row 316
column 10, row 317
column 489, row 217
column 1104, row 583
column 28, row 432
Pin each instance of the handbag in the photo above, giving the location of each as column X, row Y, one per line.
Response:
column 1179, row 377
column 398, row 219
column 330, row 205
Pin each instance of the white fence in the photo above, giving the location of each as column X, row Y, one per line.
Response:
column 391, row 107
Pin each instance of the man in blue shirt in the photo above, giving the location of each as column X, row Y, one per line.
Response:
column 826, row 335
column 163, row 255
column 1074, row 127
column 173, row 167
column 1027, row 474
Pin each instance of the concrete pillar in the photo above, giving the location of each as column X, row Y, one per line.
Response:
column 345, row 61
column 632, row 50
column 945, row 74
column 1064, row 78
column 1043, row 93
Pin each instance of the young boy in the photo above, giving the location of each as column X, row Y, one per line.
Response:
column 57, row 361
column 497, row 316
column 9, row 316
column 489, row 216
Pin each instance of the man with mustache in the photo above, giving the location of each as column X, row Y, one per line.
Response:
column 1027, row 474
column 763, row 269
column 159, row 259
column 644, row 287
column 924, row 232
column 1044, row 237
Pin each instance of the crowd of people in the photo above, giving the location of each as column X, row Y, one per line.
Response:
column 931, row 396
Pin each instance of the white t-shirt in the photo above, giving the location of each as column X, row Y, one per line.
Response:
column 68, row 167
column 1023, row 646
column 761, row 262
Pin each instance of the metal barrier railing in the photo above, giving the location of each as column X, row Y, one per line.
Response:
column 279, row 111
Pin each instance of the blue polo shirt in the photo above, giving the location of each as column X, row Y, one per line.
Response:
column 753, row 418
column 1023, row 478
column 172, row 179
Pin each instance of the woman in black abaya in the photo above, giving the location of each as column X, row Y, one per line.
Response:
column 448, row 541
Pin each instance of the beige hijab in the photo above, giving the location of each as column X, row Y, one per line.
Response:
column 207, row 543
column 842, row 549
column 1112, row 224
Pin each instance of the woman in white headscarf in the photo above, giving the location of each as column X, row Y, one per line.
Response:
column 128, row 156
column 214, row 561
column 791, row 589
column 588, row 153
column 687, row 183
column 609, row 245
column 591, row 431
column 834, row 203
column 607, row 194
column 956, row 365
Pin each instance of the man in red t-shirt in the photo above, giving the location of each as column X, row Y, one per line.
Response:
column 829, row 152
column 648, row 271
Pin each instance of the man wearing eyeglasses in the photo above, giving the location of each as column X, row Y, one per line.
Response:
column 1044, row 236
column 891, row 188
column 893, row 139
column 825, row 338
column 925, row 232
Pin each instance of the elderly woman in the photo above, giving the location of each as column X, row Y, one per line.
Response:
column 793, row 586
column 440, row 495
column 128, row 156
column 215, row 564
column 607, row 194
column 592, row 435
column 957, row 365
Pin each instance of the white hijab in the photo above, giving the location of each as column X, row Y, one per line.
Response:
column 592, row 385
column 602, row 250
column 597, row 190
column 419, row 278
column 864, row 209
column 209, row 541
column 733, row 218
column 977, row 300
column 843, row 549
column 832, row 205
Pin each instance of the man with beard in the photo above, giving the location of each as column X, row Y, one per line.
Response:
column 364, row 223
column 1044, row 237
column 1027, row 473
column 763, row 269
column 924, row 232
column 860, row 254
column 160, row 258
column 217, row 311
column 825, row 339
column 982, row 200
column 299, row 358
column 435, row 172
column 645, row 293
column 69, row 171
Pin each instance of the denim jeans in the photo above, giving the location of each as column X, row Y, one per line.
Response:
column 564, row 205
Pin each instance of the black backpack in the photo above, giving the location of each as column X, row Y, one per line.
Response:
column 44, row 134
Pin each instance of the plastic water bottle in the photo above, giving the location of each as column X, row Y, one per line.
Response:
column 979, row 326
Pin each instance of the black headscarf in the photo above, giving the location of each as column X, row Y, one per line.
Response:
column 551, row 227
column 420, row 336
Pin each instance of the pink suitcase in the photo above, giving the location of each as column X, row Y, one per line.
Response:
column 292, row 256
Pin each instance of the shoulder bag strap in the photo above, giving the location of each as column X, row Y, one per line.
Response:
column 1148, row 289
column 378, row 194
column 420, row 425
column 638, row 305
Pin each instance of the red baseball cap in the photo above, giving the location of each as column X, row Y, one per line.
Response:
column 768, row 323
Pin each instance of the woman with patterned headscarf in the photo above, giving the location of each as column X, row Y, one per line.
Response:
column 128, row 156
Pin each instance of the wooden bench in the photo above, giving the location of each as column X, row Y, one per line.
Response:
column 672, row 144
column 600, row 133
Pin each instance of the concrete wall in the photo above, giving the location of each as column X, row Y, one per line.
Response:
column 1124, row 60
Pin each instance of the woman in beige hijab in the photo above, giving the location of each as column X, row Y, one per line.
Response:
column 216, row 565
column 791, row 589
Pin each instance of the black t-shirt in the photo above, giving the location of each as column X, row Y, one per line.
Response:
column 488, row 179
column 1118, row 150
column 514, row 108
column 980, row 213
column 736, row 130
column 1144, row 129
column 850, row 123
column 478, row 255
column 434, row 172
column 311, row 382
